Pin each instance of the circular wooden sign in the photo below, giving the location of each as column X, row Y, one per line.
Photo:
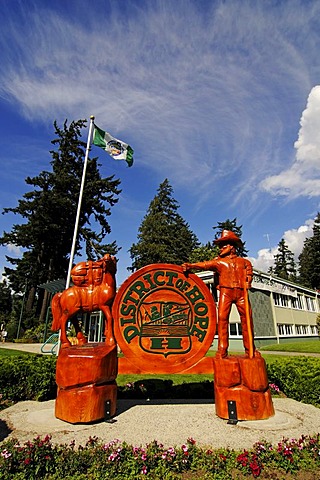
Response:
column 164, row 319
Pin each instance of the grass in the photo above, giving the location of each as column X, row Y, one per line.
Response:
column 178, row 379
column 299, row 347
column 6, row 352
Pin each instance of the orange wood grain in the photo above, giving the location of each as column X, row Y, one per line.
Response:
column 158, row 344
column 250, row 405
column 93, row 363
column 127, row 366
column 242, row 380
column 85, row 376
column 85, row 404
column 94, row 289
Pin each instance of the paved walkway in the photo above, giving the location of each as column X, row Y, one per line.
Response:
column 24, row 347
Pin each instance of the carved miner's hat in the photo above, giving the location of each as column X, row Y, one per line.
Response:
column 227, row 236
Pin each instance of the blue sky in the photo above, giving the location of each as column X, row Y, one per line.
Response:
column 220, row 97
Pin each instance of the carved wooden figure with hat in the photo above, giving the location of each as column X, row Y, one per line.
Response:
column 235, row 277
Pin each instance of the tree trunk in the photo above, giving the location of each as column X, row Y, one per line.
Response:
column 44, row 307
column 30, row 299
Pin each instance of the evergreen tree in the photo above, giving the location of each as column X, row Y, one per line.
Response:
column 309, row 259
column 5, row 301
column 164, row 236
column 49, row 213
column 284, row 264
column 204, row 253
column 233, row 227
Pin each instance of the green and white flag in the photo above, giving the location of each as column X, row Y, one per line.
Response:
column 116, row 148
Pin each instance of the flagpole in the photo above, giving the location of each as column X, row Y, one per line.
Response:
column 75, row 233
column 76, row 225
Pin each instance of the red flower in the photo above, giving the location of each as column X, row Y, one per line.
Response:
column 255, row 469
column 243, row 458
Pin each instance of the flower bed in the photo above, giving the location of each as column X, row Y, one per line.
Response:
column 40, row 459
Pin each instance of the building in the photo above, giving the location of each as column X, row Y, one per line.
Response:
column 282, row 311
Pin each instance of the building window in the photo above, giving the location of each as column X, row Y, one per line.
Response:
column 276, row 298
column 235, row 330
column 297, row 302
column 310, row 304
column 288, row 329
column 281, row 300
column 285, row 330
column 304, row 329
column 314, row 329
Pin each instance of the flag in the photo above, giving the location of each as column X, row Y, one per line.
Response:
column 116, row 148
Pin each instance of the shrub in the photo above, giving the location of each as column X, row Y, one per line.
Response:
column 29, row 377
column 298, row 378
column 32, row 377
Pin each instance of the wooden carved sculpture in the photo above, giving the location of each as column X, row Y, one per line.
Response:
column 86, row 373
column 94, row 289
column 164, row 322
column 235, row 276
column 240, row 383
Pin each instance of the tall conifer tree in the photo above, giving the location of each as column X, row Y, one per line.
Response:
column 164, row 236
column 309, row 259
column 284, row 264
column 49, row 211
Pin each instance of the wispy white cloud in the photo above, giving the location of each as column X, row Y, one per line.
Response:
column 302, row 178
column 294, row 239
column 191, row 87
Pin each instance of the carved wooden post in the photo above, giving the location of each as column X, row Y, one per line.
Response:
column 86, row 373
column 87, row 390
column 240, row 383
column 244, row 382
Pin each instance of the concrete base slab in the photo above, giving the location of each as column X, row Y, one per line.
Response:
column 170, row 422
column 280, row 421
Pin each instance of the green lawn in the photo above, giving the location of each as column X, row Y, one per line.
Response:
column 300, row 347
column 178, row 379
column 6, row 352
